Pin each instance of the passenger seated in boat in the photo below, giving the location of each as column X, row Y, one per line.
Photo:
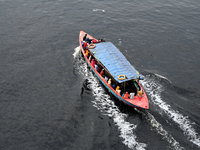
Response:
column 100, row 40
column 123, row 94
column 109, row 82
column 132, row 95
column 99, row 69
column 91, row 58
column 140, row 93
column 96, row 61
column 118, row 89
column 88, row 56
column 106, row 78
column 89, row 40
column 86, row 52
column 82, row 43
column 94, row 41
column 96, row 66
column 85, row 45
column 126, row 95
column 102, row 72
column 93, row 63
column 114, row 86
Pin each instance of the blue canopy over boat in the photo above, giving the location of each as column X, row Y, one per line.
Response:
column 114, row 61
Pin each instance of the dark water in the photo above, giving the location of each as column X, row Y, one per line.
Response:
column 49, row 98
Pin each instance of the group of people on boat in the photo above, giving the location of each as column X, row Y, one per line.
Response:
column 127, row 89
column 87, row 42
column 132, row 94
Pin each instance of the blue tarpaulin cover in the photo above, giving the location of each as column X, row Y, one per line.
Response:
column 114, row 61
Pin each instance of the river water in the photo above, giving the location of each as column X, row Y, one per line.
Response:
column 50, row 99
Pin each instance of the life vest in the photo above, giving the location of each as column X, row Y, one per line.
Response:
column 126, row 95
column 117, row 88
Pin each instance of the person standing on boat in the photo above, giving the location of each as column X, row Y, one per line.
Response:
column 84, row 38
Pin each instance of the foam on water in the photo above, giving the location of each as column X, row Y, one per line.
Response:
column 104, row 104
column 77, row 51
column 156, row 126
column 162, row 77
column 99, row 10
column 154, row 89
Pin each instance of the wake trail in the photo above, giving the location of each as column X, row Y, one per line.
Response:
column 156, row 126
column 154, row 89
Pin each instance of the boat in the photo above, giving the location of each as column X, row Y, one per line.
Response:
column 113, row 70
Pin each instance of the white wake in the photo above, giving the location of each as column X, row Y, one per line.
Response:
column 154, row 90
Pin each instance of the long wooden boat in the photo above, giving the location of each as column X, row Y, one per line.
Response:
column 114, row 71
